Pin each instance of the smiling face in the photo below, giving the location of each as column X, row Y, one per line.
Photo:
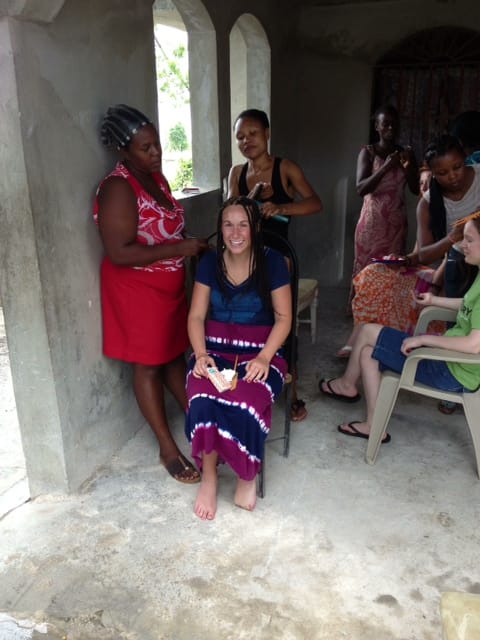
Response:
column 236, row 232
column 144, row 153
column 252, row 137
column 471, row 242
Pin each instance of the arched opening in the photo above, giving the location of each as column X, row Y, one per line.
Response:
column 430, row 77
column 192, row 17
column 249, row 70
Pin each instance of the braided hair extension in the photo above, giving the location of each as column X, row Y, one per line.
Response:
column 120, row 124
column 439, row 147
column 259, row 279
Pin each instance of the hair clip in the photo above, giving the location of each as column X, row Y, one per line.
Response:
column 463, row 221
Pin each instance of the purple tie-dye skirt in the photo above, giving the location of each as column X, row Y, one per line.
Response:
column 234, row 423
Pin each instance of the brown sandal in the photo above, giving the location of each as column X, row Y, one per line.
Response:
column 299, row 412
column 182, row 470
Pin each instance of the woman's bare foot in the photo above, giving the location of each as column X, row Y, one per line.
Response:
column 206, row 500
column 246, row 494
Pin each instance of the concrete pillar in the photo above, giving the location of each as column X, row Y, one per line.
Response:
column 22, row 297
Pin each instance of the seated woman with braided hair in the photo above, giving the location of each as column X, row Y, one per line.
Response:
column 144, row 308
column 244, row 290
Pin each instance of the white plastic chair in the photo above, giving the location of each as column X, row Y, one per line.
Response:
column 393, row 382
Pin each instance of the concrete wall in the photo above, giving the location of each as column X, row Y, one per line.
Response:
column 59, row 72
column 67, row 73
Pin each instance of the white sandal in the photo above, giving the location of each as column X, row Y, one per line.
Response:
column 344, row 352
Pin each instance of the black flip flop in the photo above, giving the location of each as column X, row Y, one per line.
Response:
column 355, row 433
column 336, row 396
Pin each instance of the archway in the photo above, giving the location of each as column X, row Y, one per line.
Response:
column 249, row 70
column 203, row 85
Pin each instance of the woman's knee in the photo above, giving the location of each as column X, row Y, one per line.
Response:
column 368, row 334
column 366, row 355
column 146, row 370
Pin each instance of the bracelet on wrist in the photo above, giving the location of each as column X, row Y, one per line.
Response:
column 201, row 355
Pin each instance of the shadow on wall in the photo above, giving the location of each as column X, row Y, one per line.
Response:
column 339, row 235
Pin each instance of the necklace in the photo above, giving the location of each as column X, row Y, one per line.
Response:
column 236, row 274
column 259, row 170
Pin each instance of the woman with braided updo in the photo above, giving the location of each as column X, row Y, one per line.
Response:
column 144, row 308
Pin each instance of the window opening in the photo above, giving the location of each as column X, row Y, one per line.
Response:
column 173, row 98
column 185, row 51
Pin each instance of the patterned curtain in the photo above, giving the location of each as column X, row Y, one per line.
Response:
column 427, row 99
column 430, row 78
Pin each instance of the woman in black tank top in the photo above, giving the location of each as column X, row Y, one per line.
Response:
column 285, row 191
column 279, row 185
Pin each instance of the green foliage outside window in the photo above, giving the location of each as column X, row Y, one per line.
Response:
column 184, row 177
column 177, row 138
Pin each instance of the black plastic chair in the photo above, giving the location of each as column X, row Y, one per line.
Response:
column 284, row 246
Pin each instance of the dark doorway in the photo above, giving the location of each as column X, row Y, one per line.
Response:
column 430, row 77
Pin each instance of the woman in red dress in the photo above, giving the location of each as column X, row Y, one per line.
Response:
column 144, row 309
column 384, row 169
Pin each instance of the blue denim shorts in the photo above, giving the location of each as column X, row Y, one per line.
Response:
column 433, row 373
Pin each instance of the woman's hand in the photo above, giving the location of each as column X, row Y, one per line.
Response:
column 257, row 369
column 202, row 362
column 406, row 157
column 424, row 299
column 456, row 234
column 262, row 190
column 192, row 246
column 411, row 259
column 411, row 343
column 269, row 209
column 392, row 160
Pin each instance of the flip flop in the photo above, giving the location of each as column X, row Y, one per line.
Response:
column 355, row 433
column 182, row 470
column 299, row 411
column 447, row 407
column 337, row 396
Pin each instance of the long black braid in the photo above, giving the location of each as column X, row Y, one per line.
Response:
column 120, row 124
column 259, row 278
column 439, row 147
column 464, row 273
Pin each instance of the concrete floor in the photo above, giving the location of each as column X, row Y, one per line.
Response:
column 336, row 549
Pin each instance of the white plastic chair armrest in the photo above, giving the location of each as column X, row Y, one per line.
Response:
column 431, row 353
column 429, row 314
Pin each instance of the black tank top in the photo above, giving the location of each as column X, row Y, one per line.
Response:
column 279, row 196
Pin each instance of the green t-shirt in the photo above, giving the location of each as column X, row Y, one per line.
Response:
column 468, row 318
